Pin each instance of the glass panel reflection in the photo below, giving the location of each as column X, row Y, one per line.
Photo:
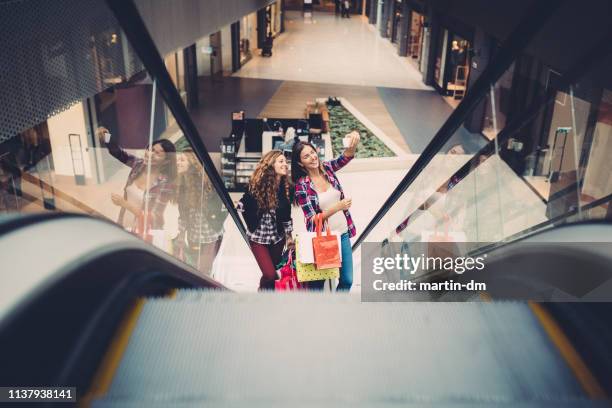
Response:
column 544, row 171
column 120, row 155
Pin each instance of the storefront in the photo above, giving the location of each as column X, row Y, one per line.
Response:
column 418, row 40
column 269, row 24
column 274, row 18
column 182, row 67
column 452, row 63
column 175, row 64
column 248, row 37
column 394, row 23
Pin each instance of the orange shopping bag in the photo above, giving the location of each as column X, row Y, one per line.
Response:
column 142, row 230
column 325, row 247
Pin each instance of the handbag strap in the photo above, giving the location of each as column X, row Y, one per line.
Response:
column 320, row 224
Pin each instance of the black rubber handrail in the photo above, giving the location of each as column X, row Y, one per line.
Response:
column 511, row 49
column 135, row 29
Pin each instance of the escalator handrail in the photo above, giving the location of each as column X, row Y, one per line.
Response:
column 42, row 278
column 597, row 51
column 17, row 221
column 110, row 271
column 135, row 29
column 511, row 49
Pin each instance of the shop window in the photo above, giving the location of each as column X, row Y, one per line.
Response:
column 416, row 37
column 459, row 67
column 441, row 59
column 396, row 21
column 452, row 68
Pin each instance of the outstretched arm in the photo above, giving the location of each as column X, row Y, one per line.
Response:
column 348, row 153
column 113, row 148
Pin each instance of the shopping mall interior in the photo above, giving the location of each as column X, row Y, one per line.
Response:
column 131, row 132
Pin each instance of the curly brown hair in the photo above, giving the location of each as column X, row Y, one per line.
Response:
column 193, row 185
column 264, row 184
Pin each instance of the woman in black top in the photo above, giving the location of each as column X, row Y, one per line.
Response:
column 267, row 212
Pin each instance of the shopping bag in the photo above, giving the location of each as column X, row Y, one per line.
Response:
column 305, row 242
column 288, row 278
column 307, row 272
column 142, row 230
column 325, row 247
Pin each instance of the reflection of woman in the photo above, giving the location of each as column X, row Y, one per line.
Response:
column 317, row 190
column 267, row 212
column 201, row 214
column 159, row 186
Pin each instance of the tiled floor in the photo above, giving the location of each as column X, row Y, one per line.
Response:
column 218, row 99
column 420, row 114
column 334, row 50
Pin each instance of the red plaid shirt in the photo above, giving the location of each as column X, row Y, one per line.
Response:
column 158, row 196
column 307, row 197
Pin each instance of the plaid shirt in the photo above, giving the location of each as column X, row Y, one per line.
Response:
column 195, row 226
column 156, row 198
column 267, row 233
column 307, row 197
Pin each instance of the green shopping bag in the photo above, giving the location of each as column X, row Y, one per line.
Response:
column 307, row 272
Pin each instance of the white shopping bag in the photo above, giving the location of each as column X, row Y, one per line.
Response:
column 304, row 242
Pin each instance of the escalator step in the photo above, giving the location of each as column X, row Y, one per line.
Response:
column 226, row 349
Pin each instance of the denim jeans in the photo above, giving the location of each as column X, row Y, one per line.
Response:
column 346, row 269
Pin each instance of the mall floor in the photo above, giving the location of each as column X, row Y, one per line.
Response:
column 329, row 56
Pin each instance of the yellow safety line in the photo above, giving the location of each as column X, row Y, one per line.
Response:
column 106, row 372
column 586, row 379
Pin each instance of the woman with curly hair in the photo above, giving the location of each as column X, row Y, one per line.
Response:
column 267, row 212
column 201, row 214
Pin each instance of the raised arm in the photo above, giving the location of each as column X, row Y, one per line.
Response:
column 348, row 153
column 114, row 149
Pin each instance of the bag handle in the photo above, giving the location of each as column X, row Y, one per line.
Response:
column 290, row 257
column 319, row 223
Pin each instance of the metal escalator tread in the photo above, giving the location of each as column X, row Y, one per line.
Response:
column 231, row 349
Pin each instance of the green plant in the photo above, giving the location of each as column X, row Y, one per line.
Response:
column 341, row 122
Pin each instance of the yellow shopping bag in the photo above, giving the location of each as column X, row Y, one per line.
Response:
column 307, row 272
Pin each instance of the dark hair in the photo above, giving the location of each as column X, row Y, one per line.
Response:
column 298, row 171
column 168, row 168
